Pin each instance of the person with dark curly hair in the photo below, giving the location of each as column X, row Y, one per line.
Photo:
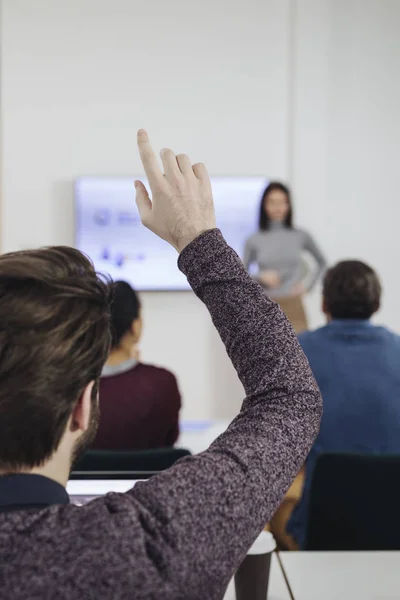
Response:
column 356, row 365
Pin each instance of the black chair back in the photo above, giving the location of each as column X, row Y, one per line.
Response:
column 354, row 503
column 138, row 461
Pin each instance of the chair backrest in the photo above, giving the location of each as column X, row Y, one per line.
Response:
column 354, row 503
column 146, row 461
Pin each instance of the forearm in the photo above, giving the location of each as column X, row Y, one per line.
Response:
column 259, row 339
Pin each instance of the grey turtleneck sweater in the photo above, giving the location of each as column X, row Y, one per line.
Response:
column 280, row 249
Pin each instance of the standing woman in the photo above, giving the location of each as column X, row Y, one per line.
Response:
column 277, row 250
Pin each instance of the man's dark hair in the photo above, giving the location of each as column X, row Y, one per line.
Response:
column 125, row 309
column 54, row 340
column 264, row 221
column 351, row 291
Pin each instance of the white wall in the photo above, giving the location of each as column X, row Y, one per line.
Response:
column 306, row 90
column 80, row 77
column 346, row 138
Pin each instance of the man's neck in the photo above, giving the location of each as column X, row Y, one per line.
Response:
column 57, row 468
column 53, row 471
column 349, row 322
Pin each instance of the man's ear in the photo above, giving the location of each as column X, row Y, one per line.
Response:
column 325, row 310
column 82, row 410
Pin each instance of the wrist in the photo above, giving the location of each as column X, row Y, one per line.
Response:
column 190, row 237
column 209, row 259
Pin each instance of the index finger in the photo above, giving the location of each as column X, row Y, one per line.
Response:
column 149, row 159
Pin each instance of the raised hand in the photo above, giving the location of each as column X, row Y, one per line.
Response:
column 182, row 205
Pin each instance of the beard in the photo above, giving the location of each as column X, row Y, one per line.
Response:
column 87, row 438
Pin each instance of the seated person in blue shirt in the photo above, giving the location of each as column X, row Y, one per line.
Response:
column 356, row 365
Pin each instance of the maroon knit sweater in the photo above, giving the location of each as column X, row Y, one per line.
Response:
column 182, row 534
column 139, row 409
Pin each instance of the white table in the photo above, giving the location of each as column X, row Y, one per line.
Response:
column 343, row 575
column 197, row 436
column 277, row 589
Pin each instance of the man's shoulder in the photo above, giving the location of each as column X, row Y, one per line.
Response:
column 328, row 334
column 109, row 531
column 314, row 343
column 387, row 334
column 313, row 335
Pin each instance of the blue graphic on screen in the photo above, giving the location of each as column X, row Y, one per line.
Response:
column 108, row 228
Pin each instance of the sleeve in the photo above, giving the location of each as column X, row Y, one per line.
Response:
column 201, row 516
column 249, row 253
column 311, row 247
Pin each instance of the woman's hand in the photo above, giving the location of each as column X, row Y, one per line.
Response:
column 269, row 278
column 298, row 289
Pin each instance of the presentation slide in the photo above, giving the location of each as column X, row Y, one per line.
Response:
column 109, row 231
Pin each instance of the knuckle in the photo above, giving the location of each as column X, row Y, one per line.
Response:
column 181, row 185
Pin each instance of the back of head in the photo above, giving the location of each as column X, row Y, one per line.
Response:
column 351, row 291
column 54, row 340
column 125, row 309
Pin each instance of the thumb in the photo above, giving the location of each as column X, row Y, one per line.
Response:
column 143, row 202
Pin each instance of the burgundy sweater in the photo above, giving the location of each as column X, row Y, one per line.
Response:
column 182, row 534
column 139, row 409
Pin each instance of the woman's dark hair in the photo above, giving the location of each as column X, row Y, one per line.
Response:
column 125, row 309
column 264, row 220
column 352, row 290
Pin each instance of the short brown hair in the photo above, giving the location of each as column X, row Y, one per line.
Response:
column 352, row 290
column 54, row 340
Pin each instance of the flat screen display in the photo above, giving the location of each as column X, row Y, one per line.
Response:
column 109, row 231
